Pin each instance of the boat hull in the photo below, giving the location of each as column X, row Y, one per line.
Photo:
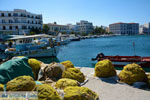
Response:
column 50, row 52
column 121, row 61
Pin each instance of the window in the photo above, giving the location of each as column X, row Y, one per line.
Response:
column 28, row 21
column 4, row 28
column 16, row 20
column 9, row 14
column 21, row 15
column 32, row 22
column 28, row 16
column 20, row 41
column 3, row 21
column 24, row 27
column 15, row 14
column 10, row 27
column 10, row 21
column 16, row 27
column 2, row 14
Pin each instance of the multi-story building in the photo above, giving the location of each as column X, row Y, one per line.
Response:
column 54, row 28
column 73, row 28
column 85, row 27
column 19, row 21
column 141, row 29
column 146, row 28
column 124, row 28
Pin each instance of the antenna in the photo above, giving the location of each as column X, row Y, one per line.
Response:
column 134, row 48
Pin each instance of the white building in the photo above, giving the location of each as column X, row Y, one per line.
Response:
column 55, row 28
column 124, row 28
column 146, row 28
column 85, row 27
column 141, row 29
column 73, row 28
column 19, row 21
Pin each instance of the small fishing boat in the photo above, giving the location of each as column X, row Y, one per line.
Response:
column 75, row 38
column 120, row 61
column 32, row 46
column 62, row 39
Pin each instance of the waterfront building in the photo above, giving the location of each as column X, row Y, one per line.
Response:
column 145, row 29
column 124, row 28
column 73, row 28
column 19, row 22
column 55, row 28
column 141, row 28
column 85, row 27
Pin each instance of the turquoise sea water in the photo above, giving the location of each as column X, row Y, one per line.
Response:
column 81, row 52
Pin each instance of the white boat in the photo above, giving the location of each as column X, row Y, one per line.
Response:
column 32, row 46
column 63, row 39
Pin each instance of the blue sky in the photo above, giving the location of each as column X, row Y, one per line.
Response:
column 100, row 12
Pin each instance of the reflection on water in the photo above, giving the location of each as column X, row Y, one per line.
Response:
column 48, row 60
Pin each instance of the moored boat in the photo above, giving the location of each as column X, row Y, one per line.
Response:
column 32, row 46
column 120, row 61
column 75, row 38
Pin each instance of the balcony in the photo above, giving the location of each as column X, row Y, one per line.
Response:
column 21, row 16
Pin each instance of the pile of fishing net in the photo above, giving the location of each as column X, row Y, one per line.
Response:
column 67, row 64
column 79, row 93
column 47, row 92
column 66, row 79
column 35, row 65
column 65, row 82
column 1, row 87
column 21, row 83
column 132, row 73
column 104, row 69
column 51, row 72
column 148, row 76
column 74, row 73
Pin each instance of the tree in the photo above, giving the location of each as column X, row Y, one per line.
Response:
column 45, row 29
column 83, row 34
column 99, row 30
column 32, row 33
column 110, row 33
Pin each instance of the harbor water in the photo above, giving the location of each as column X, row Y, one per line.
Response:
column 81, row 52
